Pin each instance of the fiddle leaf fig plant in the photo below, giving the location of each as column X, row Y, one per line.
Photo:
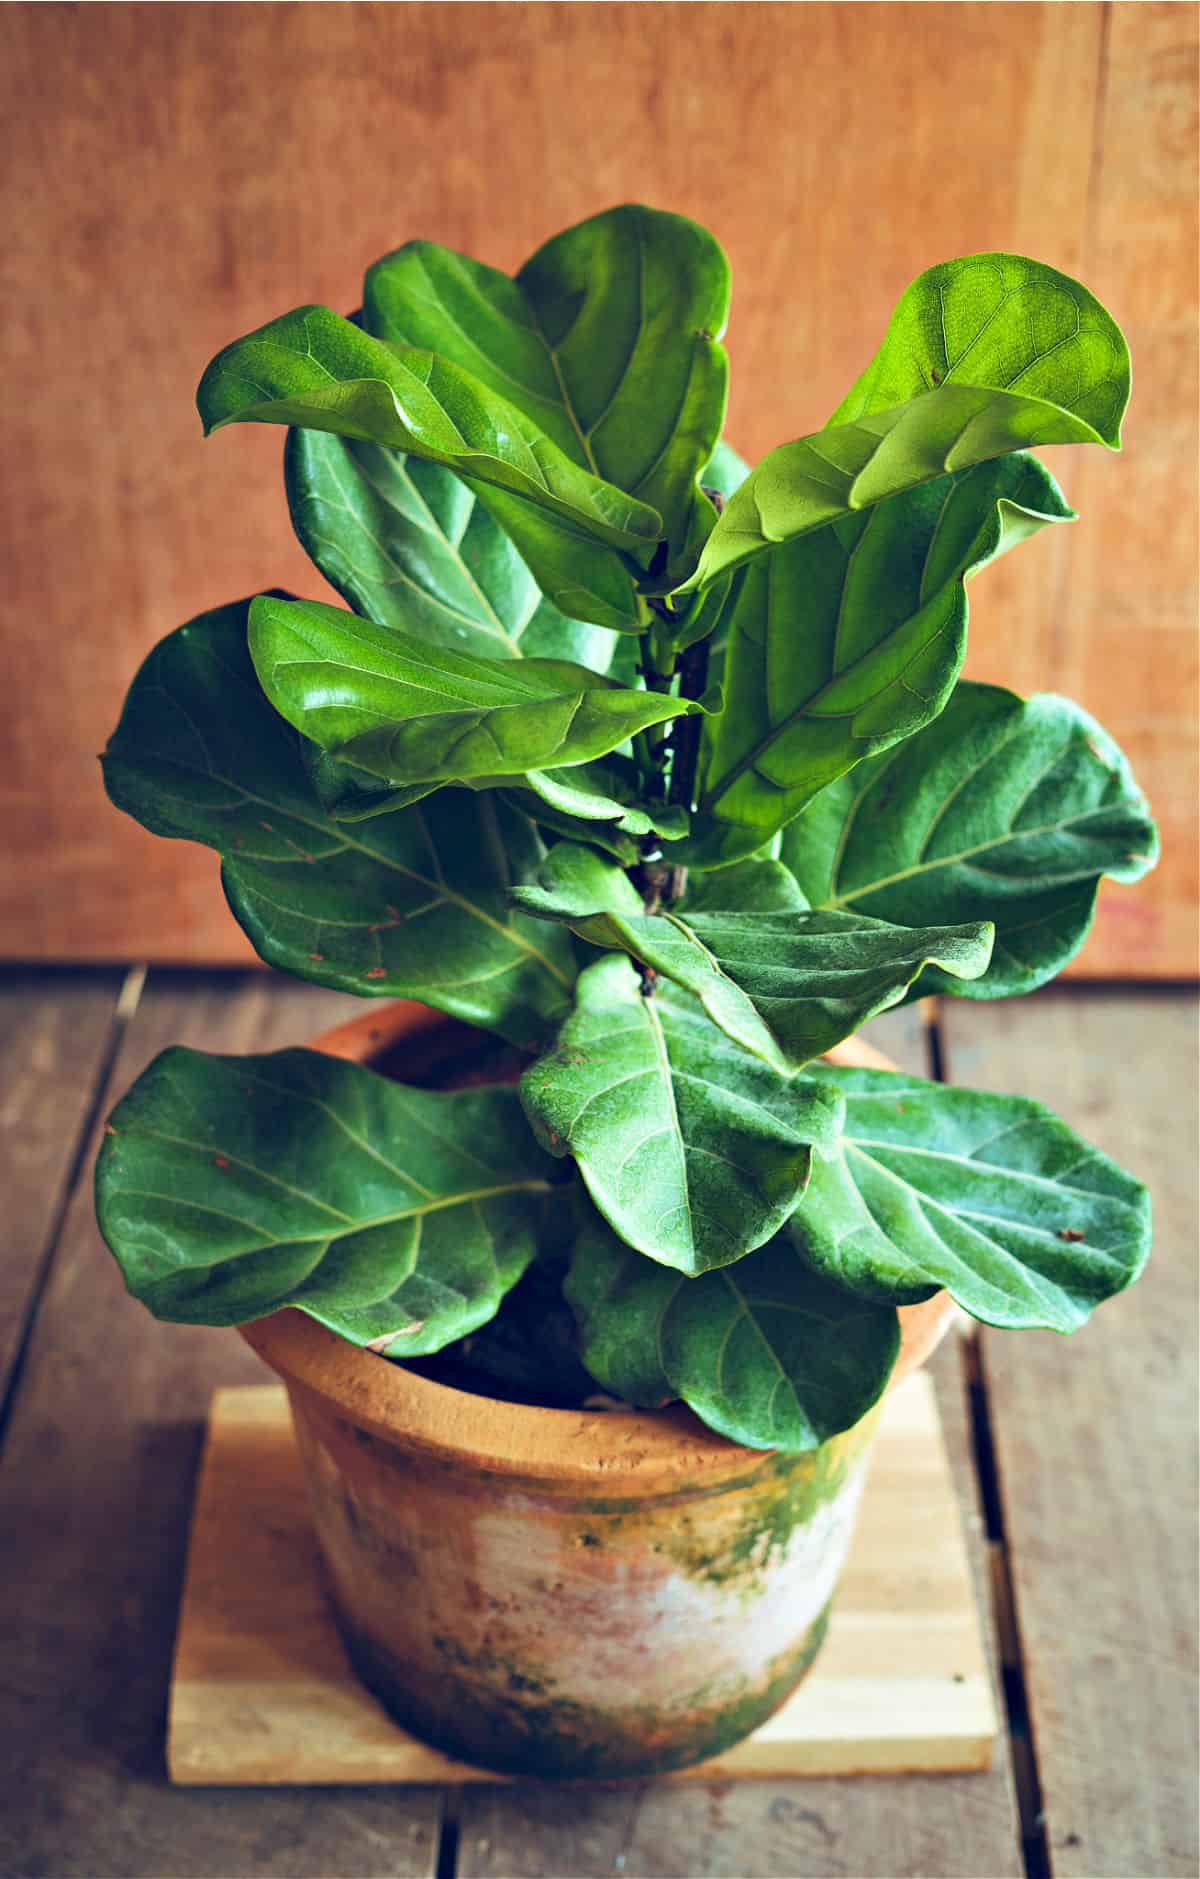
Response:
column 660, row 769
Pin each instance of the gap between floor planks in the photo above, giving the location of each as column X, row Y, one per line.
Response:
column 800, row 1824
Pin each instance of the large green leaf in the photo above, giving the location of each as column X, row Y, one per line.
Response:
column 314, row 369
column 847, row 640
column 607, row 340
column 985, row 355
column 410, row 545
column 693, row 1150
column 760, row 885
column 786, row 985
column 991, row 1197
column 765, row 1352
column 408, row 712
column 1000, row 320
column 580, row 889
column 584, row 578
column 814, row 978
column 1004, row 808
column 228, row 1187
column 411, row 905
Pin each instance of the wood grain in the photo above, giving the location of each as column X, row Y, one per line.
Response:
column 54, row 1031
column 177, row 174
column 1096, row 1444
column 1115, row 623
column 262, row 1691
column 95, row 1492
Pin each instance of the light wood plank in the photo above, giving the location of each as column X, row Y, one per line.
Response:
column 262, row 1690
column 1096, row 1444
column 54, row 1031
column 95, row 1494
column 141, row 150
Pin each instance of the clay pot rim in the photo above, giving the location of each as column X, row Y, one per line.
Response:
column 634, row 1447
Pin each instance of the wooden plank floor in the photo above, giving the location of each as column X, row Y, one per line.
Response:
column 1075, row 1461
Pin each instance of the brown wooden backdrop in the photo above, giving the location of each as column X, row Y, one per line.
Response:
column 175, row 175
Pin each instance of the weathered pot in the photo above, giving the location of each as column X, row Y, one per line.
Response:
column 556, row 1592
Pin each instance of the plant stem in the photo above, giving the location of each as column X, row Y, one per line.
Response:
column 685, row 742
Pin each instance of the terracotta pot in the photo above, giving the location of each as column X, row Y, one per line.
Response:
column 560, row 1592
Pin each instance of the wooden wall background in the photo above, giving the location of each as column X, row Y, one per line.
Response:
column 176, row 174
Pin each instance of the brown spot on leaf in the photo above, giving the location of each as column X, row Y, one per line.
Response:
column 222, row 1161
column 1070, row 1233
column 316, row 955
column 403, row 1330
column 376, row 972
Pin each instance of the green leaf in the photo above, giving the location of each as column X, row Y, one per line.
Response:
column 765, row 1352
column 409, row 712
column 691, row 1149
column 814, row 978
column 991, row 1197
column 1007, row 808
column 847, row 640
column 228, row 1187
column 787, row 986
column 314, row 369
column 760, row 885
column 984, row 356
column 407, row 543
column 579, row 575
column 410, row 905
column 593, row 792
column 607, row 340
column 1000, row 320
column 576, row 887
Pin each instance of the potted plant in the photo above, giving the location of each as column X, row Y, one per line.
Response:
column 659, row 772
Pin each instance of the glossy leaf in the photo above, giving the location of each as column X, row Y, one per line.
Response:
column 582, row 577
column 1007, row 808
column 409, row 905
column 229, row 1187
column 765, row 1352
column 989, row 1196
column 814, row 978
column 693, row 1150
column 407, row 543
column 595, row 899
column 826, row 478
column 1000, row 320
column 408, row 712
column 314, row 369
column 847, row 640
column 595, row 792
column 787, row 985
column 607, row 340
column 984, row 356
column 597, row 804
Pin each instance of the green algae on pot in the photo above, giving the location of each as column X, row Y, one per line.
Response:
column 561, row 1593
column 659, row 768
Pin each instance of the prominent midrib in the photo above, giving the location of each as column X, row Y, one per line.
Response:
column 512, row 934
column 439, row 1204
column 499, row 631
column 837, row 901
column 808, row 709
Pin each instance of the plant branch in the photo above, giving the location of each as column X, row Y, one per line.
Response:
column 685, row 740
